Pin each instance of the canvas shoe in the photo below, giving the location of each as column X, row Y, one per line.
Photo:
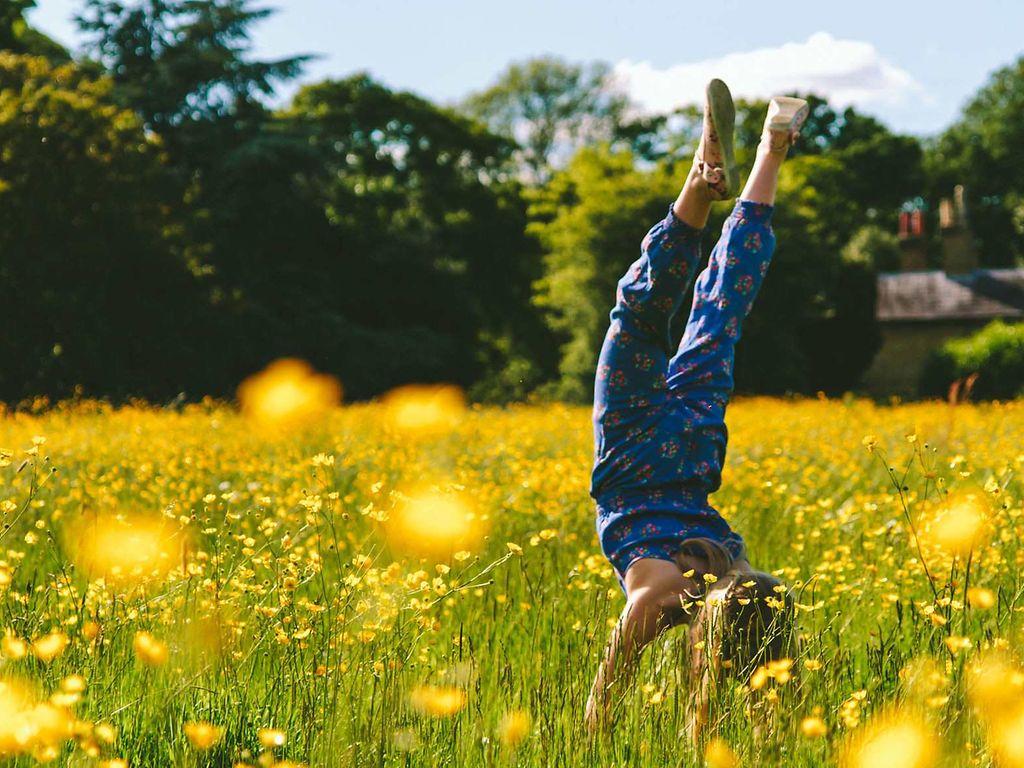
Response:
column 715, row 159
column 786, row 116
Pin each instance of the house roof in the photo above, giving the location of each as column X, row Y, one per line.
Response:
column 936, row 295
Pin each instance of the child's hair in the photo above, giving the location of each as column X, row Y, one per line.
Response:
column 756, row 621
column 718, row 559
column 749, row 625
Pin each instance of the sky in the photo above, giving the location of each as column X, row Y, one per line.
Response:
column 911, row 63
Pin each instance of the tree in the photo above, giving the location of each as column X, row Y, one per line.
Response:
column 984, row 151
column 237, row 215
column 93, row 296
column 551, row 108
column 874, row 247
column 429, row 234
column 185, row 65
column 16, row 36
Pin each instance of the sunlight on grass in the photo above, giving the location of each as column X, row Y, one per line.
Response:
column 416, row 582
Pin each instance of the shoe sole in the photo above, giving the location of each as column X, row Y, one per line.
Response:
column 792, row 114
column 723, row 115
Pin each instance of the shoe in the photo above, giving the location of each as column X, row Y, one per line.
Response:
column 786, row 116
column 715, row 159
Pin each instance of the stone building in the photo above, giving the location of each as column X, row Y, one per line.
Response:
column 919, row 308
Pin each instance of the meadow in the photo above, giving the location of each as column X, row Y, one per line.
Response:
column 416, row 582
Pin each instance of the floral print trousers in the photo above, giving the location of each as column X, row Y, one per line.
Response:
column 659, row 421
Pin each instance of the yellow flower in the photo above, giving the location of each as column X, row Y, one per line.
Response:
column 203, row 735
column 515, row 549
column 995, row 685
column 813, row 727
column 433, row 524
column 959, row 525
column 438, row 701
column 73, row 684
column 49, row 647
column 893, row 741
column 758, row 679
column 90, row 630
column 955, row 643
column 13, row 647
column 1006, row 737
column 125, row 549
column 424, row 409
column 31, row 726
column 718, row 754
column 288, row 393
column 981, row 598
column 149, row 650
column 271, row 738
column 515, row 726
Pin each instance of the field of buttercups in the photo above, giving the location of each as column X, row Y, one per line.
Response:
column 417, row 582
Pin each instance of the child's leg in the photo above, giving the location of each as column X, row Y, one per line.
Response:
column 632, row 365
column 726, row 289
column 723, row 296
column 631, row 369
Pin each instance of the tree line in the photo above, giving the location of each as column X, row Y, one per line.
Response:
column 165, row 230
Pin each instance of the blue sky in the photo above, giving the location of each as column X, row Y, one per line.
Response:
column 911, row 63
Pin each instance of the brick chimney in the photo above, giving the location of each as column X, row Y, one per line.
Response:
column 958, row 253
column 913, row 249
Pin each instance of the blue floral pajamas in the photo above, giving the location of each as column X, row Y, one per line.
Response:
column 659, row 422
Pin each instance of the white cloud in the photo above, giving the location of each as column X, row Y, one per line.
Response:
column 847, row 72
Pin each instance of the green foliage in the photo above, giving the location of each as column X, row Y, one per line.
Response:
column 984, row 151
column 16, row 36
column 426, row 224
column 184, row 63
column 874, row 247
column 93, row 294
column 995, row 354
column 551, row 107
column 817, row 308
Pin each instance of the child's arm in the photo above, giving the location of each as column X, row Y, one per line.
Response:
column 656, row 590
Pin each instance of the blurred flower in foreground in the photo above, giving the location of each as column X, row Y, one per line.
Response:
column 49, row 647
column 718, row 754
column 433, row 523
column 13, row 647
column 125, row 549
column 893, row 741
column 813, row 727
column 515, row 726
column 981, row 598
column 438, row 701
column 996, row 689
column 425, row 409
column 1006, row 738
column 149, row 650
column 995, row 684
column 30, row 726
column 203, row 735
column 288, row 393
column 959, row 525
column 271, row 738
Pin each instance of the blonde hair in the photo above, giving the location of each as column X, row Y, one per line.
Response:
column 717, row 557
column 750, row 624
